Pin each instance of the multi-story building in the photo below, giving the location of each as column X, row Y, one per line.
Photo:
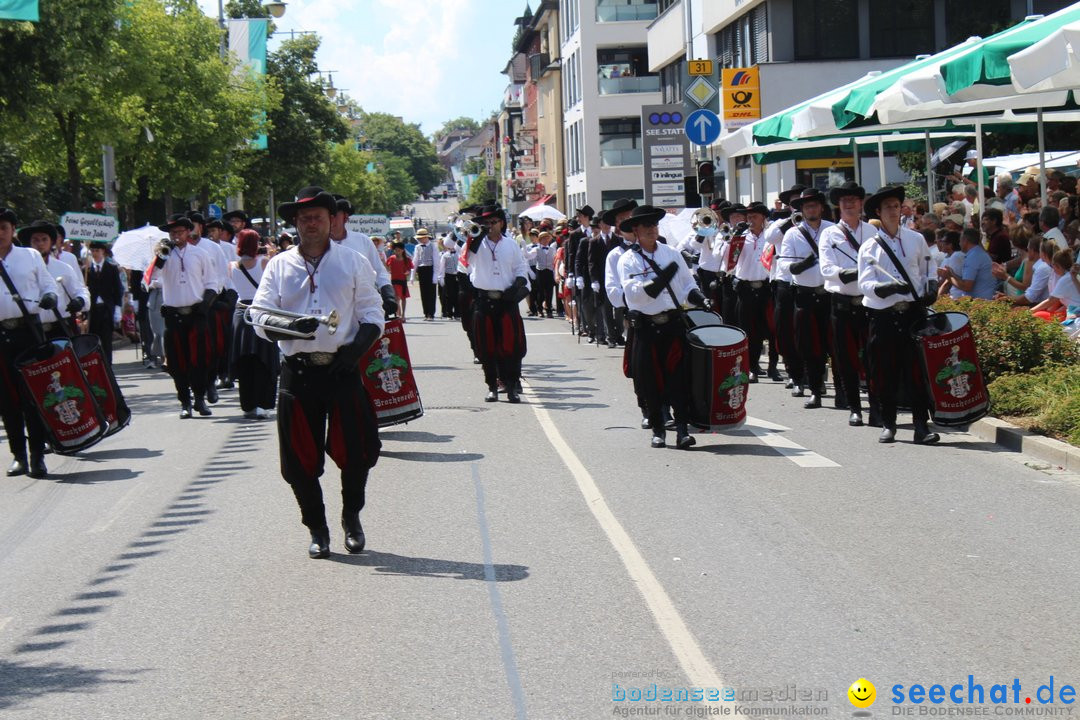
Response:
column 545, row 72
column 606, row 78
column 804, row 48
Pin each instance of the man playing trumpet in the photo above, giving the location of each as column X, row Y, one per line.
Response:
column 322, row 406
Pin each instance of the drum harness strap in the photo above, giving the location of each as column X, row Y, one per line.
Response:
column 36, row 328
column 656, row 269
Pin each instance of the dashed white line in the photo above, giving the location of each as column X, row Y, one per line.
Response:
column 769, row 433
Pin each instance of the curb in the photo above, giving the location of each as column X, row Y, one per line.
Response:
column 1017, row 439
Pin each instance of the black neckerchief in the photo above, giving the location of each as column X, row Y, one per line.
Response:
column 656, row 269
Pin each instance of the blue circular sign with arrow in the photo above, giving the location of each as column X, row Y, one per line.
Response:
column 703, row 127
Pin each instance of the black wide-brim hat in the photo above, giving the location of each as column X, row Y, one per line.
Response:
column 9, row 215
column 870, row 207
column 236, row 215
column 796, row 189
column 490, row 212
column 180, row 220
column 309, row 197
column 848, row 189
column 621, row 205
column 197, row 217
column 642, row 213
column 343, row 204
column 214, row 224
column 585, row 210
column 726, row 212
column 758, row 207
column 808, row 195
column 38, row 226
column 99, row 245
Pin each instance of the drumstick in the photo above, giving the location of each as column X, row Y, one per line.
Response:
column 874, row 263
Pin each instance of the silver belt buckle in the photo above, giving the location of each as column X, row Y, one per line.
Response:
column 320, row 359
column 494, row 294
column 660, row 318
column 11, row 323
column 183, row 310
column 901, row 306
column 856, row 300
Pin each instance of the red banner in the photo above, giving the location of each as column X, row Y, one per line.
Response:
column 719, row 377
column 62, row 397
column 951, row 365
column 388, row 378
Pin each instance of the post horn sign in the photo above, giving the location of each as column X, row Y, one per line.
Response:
column 742, row 96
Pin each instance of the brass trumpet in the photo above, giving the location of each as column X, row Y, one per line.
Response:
column 797, row 218
column 705, row 217
column 476, row 230
column 330, row 321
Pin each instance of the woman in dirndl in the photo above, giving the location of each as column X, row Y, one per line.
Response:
column 400, row 264
column 256, row 362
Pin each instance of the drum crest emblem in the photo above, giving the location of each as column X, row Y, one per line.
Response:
column 63, row 400
column 956, row 374
column 387, row 367
column 734, row 385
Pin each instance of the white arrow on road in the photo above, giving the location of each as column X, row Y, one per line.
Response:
column 702, row 123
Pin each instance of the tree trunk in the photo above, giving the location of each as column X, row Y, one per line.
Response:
column 68, row 132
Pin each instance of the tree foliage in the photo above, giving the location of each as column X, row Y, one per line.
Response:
column 392, row 140
column 459, row 123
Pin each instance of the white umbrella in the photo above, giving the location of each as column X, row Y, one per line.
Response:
column 542, row 212
column 134, row 249
column 674, row 227
column 1049, row 64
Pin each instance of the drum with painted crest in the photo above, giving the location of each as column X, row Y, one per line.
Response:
column 949, row 361
column 719, row 365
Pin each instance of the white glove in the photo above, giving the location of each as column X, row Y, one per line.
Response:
column 117, row 313
column 579, row 283
column 442, row 282
column 135, row 306
column 595, row 287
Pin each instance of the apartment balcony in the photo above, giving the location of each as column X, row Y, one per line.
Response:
column 631, row 84
column 619, row 158
column 623, row 12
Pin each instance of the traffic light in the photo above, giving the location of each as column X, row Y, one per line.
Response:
column 706, row 178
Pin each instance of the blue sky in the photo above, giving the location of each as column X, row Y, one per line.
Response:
column 425, row 60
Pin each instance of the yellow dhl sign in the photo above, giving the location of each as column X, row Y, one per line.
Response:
column 742, row 95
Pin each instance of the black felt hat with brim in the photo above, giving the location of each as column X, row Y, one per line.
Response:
column 794, row 191
column 312, row 196
column 642, row 214
column 38, row 226
column 808, row 195
column 176, row 221
column 873, row 203
column 736, row 209
column 621, row 205
column 848, row 189
column 758, row 207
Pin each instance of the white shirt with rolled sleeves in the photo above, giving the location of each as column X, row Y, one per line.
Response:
column 189, row 272
column 837, row 254
column 635, row 272
column 612, row 280
column 774, row 235
column 748, row 267
column 795, row 248
column 362, row 244
column 344, row 281
column 875, row 267
column 708, row 259
column 496, row 265
column 70, row 285
column 31, row 279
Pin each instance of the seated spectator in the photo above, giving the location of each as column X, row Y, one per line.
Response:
column 929, row 221
column 977, row 279
column 997, row 237
column 1020, row 238
column 954, row 222
column 1030, row 220
column 1064, row 300
column 953, row 265
column 1033, row 286
column 1049, row 218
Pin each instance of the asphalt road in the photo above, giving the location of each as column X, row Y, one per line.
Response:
column 529, row 561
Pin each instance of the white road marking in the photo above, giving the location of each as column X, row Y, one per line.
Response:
column 564, row 332
column 117, row 510
column 683, row 644
column 769, row 433
column 4, row 621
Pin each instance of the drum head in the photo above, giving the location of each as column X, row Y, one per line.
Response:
column 702, row 318
column 717, row 336
column 941, row 323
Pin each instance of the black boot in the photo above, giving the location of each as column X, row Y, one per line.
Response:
column 17, row 467
column 185, row 411
column 200, row 407
column 354, row 531
column 320, row 544
column 492, row 396
column 923, row 435
column 38, row 470
column 683, row 439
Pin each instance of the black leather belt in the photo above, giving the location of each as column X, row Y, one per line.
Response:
column 185, row 310
column 493, row 294
column 847, row 300
column 13, row 323
column 898, row 308
column 312, row 359
column 752, row 284
column 820, row 290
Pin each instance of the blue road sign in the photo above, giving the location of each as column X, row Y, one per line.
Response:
column 214, row 211
column 703, row 127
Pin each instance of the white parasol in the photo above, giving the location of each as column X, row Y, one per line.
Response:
column 134, row 249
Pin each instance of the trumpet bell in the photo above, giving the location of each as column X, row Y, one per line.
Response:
column 331, row 320
column 476, row 230
column 705, row 217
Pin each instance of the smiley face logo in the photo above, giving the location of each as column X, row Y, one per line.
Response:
column 862, row 693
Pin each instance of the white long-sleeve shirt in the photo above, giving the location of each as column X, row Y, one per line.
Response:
column 343, row 281
column 220, row 263
column 71, row 260
column 31, row 279
column 748, row 267
column 71, row 286
column 709, row 259
column 612, row 280
column 839, row 253
column 875, row 267
column 795, row 248
column 362, row 244
column 635, row 272
column 495, row 265
column 188, row 272
column 424, row 254
column 774, row 235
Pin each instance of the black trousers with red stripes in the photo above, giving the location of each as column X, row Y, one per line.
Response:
column 186, row 353
column 320, row 414
column 894, row 367
column 659, row 364
column 220, row 328
column 500, row 339
column 17, row 413
column 812, row 335
column 753, row 314
column 784, row 313
column 850, row 330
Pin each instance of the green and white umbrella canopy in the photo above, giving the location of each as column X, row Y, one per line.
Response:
column 1049, row 64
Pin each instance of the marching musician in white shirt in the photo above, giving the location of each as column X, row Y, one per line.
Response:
column 499, row 276
column 896, row 294
column 323, row 408
column 784, row 297
column 839, row 245
column 36, row 289
column 189, row 284
column 655, row 284
column 73, row 293
column 752, row 285
column 219, row 314
column 446, row 276
column 361, row 243
column 799, row 256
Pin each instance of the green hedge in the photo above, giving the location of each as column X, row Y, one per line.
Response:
column 1012, row 341
column 1049, row 398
